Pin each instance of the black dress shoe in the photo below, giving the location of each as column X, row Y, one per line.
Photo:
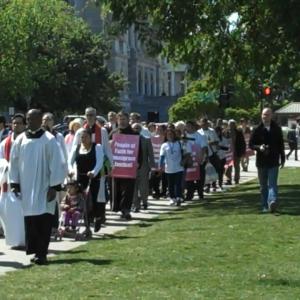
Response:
column 145, row 206
column 33, row 259
column 97, row 226
column 128, row 217
column 41, row 261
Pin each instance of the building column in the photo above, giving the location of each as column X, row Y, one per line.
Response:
column 143, row 80
column 173, row 93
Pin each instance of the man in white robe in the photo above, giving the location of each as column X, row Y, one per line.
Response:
column 11, row 213
column 37, row 172
column 48, row 125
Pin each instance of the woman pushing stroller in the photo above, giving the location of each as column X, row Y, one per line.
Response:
column 85, row 163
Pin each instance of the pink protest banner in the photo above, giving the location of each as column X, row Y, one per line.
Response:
column 229, row 158
column 125, row 149
column 156, row 141
column 249, row 151
column 193, row 173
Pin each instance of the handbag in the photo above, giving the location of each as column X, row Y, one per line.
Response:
column 210, row 174
column 215, row 160
column 186, row 158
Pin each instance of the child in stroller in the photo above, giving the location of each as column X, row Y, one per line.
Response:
column 72, row 206
column 71, row 211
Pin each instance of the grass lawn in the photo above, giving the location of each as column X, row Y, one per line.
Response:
column 222, row 248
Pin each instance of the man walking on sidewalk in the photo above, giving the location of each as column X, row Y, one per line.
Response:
column 36, row 173
column 267, row 140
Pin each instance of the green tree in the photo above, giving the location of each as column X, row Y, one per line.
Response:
column 228, row 40
column 50, row 57
column 198, row 102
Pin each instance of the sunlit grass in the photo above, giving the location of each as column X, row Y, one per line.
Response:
column 222, row 248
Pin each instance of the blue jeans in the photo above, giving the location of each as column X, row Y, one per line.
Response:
column 175, row 184
column 268, row 185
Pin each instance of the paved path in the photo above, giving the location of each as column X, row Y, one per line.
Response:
column 11, row 259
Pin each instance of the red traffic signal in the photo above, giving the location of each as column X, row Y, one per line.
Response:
column 267, row 91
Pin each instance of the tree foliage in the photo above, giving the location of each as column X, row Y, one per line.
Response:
column 50, row 57
column 197, row 103
column 238, row 113
column 262, row 43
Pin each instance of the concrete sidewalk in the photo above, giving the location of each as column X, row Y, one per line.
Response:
column 12, row 259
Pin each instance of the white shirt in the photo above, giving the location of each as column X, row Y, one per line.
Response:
column 62, row 146
column 145, row 133
column 199, row 139
column 225, row 142
column 211, row 136
column 172, row 153
column 36, row 164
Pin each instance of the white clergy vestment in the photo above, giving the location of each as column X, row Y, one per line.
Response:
column 36, row 164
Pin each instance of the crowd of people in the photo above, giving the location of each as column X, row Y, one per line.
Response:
column 59, row 178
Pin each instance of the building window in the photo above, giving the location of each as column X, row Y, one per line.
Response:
column 146, row 83
column 152, row 92
column 169, row 84
column 140, row 83
column 121, row 47
column 182, row 86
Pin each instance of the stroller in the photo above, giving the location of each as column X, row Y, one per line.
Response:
column 85, row 205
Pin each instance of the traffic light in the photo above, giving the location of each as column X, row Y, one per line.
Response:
column 267, row 91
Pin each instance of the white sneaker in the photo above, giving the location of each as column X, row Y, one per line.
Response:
column 172, row 201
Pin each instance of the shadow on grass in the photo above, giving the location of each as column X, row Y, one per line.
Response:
column 279, row 282
column 157, row 209
column 245, row 199
column 144, row 222
column 97, row 262
column 156, row 220
column 74, row 251
column 117, row 237
column 12, row 264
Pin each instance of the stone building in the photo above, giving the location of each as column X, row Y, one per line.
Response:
column 153, row 84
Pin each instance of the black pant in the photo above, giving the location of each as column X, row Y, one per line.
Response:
column 95, row 209
column 154, row 183
column 293, row 147
column 37, row 234
column 202, row 179
column 190, row 189
column 175, row 184
column 222, row 171
column 123, row 194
